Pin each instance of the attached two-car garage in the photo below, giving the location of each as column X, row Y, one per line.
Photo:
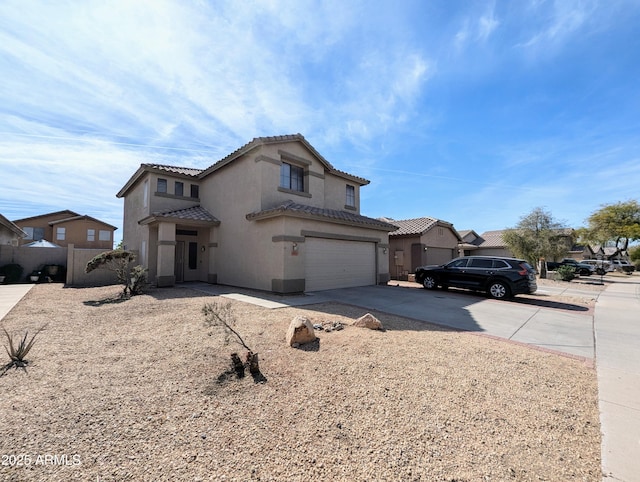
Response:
column 337, row 263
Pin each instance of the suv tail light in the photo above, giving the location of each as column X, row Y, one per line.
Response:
column 524, row 270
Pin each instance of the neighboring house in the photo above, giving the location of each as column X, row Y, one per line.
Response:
column 10, row 233
column 67, row 227
column 609, row 253
column 580, row 252
column 274, row 215
column 419, row 242
column 467, row 247
column 489, row 243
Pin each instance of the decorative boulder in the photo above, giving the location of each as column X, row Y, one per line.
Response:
column 300, row 331
column 368, row 321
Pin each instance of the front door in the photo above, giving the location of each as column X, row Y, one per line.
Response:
column 179, row 266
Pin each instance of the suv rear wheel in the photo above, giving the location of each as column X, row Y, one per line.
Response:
column 498, row 290
column 429, row 282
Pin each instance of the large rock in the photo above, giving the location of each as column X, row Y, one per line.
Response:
column 368, row 321
column 300, row 331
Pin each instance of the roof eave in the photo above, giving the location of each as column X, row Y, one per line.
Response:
column 305, row 215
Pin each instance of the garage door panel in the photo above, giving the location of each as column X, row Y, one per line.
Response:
column 331, row 263
column 439, row 255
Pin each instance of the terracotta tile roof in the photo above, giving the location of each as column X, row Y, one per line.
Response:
column 257, row 141
column 293, row 208
column 188, row 171
column 413, row 226
column 490, row 239
column 196, row 213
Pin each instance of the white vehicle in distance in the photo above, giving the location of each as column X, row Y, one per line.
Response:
column 600, row 266
column 623, row 266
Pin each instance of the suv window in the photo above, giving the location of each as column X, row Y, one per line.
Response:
column 500, row 264
column 458, row 263
column 480, row 263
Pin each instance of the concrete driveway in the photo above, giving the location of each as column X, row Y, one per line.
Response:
column 533, row 320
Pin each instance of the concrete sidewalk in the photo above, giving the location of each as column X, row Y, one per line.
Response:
column 10, row 295
column 617, row 333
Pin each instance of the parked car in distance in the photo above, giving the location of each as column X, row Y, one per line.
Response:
column 600, row 266
column 499, row 277
column 623, row 266
column 578, row 266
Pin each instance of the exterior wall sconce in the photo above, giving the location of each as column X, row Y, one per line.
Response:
column 294, row 249
column 384, row 250
column 203, row 248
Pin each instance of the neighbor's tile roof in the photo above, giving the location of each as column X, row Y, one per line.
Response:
column 490, row 239
column 413, row 226
column 196, row 213
column 290, row 207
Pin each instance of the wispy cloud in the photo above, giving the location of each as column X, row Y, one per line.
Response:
column 559, row 21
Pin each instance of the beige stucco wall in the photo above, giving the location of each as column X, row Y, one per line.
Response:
column 8, row 237
column 76, row 233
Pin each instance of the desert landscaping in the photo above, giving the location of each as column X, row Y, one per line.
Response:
column 136, row 390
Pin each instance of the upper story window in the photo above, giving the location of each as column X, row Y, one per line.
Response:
column 145, row 193
column 35, row 234
column 162, row 185
column 104, row 235
column 292, row 177
column 351, row 196
column 179, row 188
column 60, row 233
column 91, row 234
column 195, row 191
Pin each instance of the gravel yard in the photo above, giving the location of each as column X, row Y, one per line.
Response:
column 129, row 391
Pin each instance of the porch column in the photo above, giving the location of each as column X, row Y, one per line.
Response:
column 166, row 254
column 212, row 274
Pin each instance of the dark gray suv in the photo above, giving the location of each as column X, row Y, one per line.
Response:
column 499, row 277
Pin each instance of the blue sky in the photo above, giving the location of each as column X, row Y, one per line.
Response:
column 474, row 112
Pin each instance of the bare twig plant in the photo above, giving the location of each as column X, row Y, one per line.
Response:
column 18, row 352
column 221, row 316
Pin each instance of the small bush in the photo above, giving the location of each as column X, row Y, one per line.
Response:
column 138, row 280
column 12, row 273
column 566, row 273
column 18, row 352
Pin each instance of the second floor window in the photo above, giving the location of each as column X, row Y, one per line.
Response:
column 104, row 235
column 91, row 234
column 195, row 191
column 60, row 233
column 292, row 177
column 162, row 185
column 179, row 188
column 351, row 196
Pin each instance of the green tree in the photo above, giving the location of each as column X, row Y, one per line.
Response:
column 614, row 224
column 538, row 235
column 634, row 254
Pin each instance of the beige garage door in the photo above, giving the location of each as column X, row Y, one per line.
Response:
column 439, row 255
column 331, row 263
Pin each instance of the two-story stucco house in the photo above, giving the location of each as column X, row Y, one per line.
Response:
column 67, row 227
column 274, row 215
